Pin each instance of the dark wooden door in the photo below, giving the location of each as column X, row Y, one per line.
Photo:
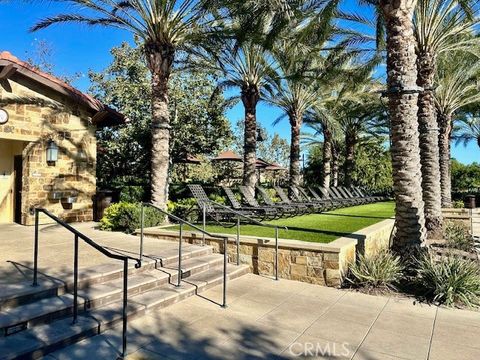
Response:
column 18, row 168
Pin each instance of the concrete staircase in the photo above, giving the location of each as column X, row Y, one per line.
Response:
column 35, row 321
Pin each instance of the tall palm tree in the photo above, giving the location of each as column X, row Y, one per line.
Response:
column 326, row 132
column 439, row 26
column 397, row 15
column 294, row 94
column 250, row 68
column 357, row 112
column 456, row 78
column 468, row 130
column 243, row 58
column 164, row 27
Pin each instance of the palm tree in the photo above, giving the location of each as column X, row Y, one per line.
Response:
column 397, row 15
column 468, row 130
column 456, row 77
column 326, row 133
column 250, row 68
column 163, row 28
column 439, row 26
column 294, row 94
column 243, row 57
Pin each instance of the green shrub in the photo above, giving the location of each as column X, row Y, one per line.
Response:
column 183, row 208
column 218, row 199
column 450, row 280
column 458, row 237
column 382, row 270
column 132, row 194
column 458, row 204
column 124, row 216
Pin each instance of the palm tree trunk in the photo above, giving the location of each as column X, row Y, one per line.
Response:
column 405, row 149
column 250, row 97
column 295, row 126
column 334, row 166
column 429, row 151
column 445, row 124
column 327, row 158
column 160, row 59
column 349, row 164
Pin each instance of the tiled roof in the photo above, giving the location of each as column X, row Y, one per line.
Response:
column 108, row 114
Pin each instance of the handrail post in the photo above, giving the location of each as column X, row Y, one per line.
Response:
column 75, row 280
column 124, row 310
column 276, row 253
column 204, row 222
column 35, row 251
column 180, row 256
column 225, row 261
column 238, row 241
column 142, row 224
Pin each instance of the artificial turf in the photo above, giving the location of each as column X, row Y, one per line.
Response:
column 321, row 228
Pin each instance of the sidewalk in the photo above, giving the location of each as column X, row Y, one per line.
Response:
column 287, row 319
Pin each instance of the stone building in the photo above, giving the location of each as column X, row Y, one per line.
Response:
column 47, row 144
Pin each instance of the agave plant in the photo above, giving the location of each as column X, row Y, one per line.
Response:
column 440, row 26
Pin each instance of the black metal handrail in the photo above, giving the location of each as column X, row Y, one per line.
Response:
column 250, row 220
column 79, row 235
column 183, row 222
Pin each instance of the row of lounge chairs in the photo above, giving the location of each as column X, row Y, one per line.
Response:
column 296, row 201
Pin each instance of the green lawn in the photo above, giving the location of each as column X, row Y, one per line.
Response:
column 319, row 227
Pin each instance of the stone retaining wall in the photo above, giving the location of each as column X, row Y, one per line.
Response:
column 316, row 263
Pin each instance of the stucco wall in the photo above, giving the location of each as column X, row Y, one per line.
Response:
column 68, row 125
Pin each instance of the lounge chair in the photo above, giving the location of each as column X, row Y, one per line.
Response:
column 293, row 210
column 249, row 198
column 301, row 196
column 328, row 194
column 328, row 205
column 307, row 207
column 361, row 192
column 217, row 213
column 354, row 199
column 259, row 212
column 351, row 195
column 316, row 196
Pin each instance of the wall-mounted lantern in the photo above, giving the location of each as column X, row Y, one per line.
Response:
column 52, row 153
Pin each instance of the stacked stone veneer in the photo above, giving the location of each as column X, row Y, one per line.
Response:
column 316, row 263
column 59, row 119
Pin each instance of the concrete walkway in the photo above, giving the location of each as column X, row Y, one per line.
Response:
column 56, row 251
column 287, row 319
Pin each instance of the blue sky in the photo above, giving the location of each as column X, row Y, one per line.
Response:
column 77, row 49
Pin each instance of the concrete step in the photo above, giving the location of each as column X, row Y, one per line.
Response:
column 48, row 309
column 43, row 339
column 50, row 285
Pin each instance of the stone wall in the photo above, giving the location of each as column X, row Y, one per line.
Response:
column 374, row 238
column 56, row 118
column 324, row 264
column 316, row 263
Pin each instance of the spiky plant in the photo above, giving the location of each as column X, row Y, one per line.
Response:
column 378, row 271
column 450, row 280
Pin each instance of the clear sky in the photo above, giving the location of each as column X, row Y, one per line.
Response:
column 77, row 49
